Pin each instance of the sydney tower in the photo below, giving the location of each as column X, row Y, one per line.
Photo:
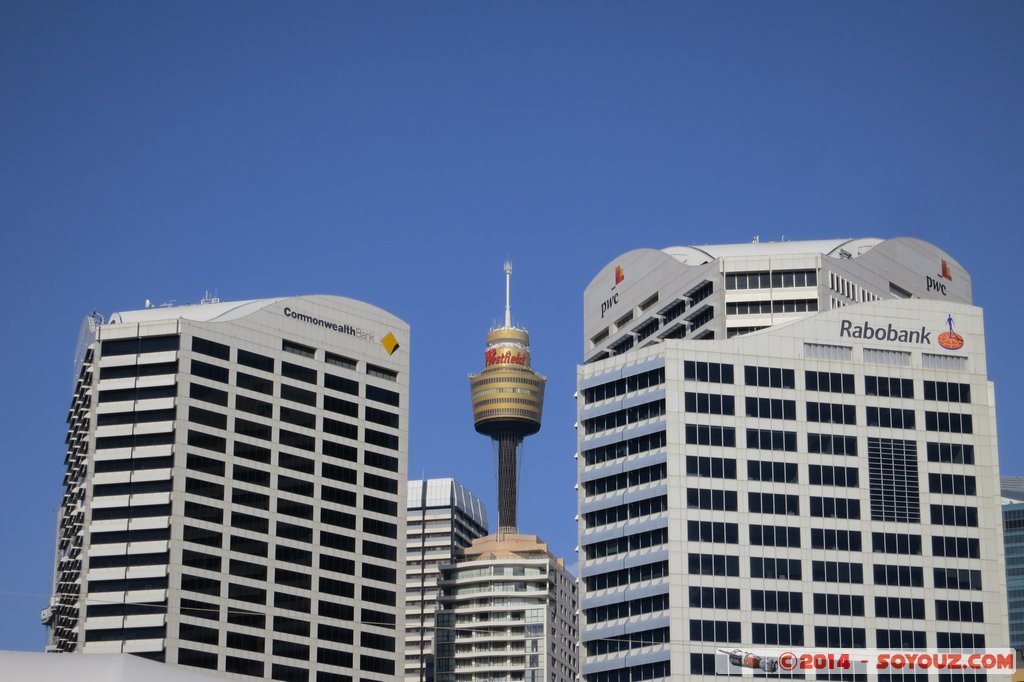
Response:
column 508, row 397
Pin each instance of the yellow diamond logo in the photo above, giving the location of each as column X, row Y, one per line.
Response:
column 390, row 343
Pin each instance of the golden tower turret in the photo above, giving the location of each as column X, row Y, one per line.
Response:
column 508, row 397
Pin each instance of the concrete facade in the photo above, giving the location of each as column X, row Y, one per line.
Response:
column 506, row 611
column 235, row 487
column 442, row 518
column 759, row 472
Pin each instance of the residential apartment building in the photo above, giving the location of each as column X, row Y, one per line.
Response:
column 442, row 517
column 506, row 611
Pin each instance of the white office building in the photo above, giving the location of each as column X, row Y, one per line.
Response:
column 442, row 517
column 784, row 444
column 235, row 487
column 506, row 611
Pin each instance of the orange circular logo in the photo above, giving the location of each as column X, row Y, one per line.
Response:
column 951, row 341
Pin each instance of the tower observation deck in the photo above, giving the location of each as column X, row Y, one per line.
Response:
column 508, row 397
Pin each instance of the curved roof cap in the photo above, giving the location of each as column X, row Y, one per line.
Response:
column 231, row 310
column 698, row 255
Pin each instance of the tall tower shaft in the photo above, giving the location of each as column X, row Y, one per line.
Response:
column 508, row 397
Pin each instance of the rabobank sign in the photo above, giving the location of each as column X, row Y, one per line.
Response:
column 866, row 331
column 327, row 324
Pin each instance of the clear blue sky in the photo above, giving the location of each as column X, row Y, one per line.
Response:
column 398, row 152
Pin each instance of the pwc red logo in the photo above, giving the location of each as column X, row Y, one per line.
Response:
column 619, row 276
column 946, row 273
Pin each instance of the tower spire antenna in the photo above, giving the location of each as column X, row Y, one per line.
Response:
column 508, row 287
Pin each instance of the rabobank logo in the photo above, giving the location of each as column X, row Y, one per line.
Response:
column 950, row 340
column 866, row 331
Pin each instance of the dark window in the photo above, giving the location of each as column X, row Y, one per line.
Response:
column 714, row 564
column 947, row 392
column 298, row 372
column 955, row 453
column 889, row 387
column 710, row 467
column 207, row 371
column 338, row 428
column 253, row 452
column 291, row 602
column 138, row 371
column 202, row 512
column 255, row 360
column 290, row 531
column 207, row 394
column 291, row 626
column 774, row 536
column 295, row 485
column 244, row 427
column 770, row 503
column 381, row 506
column 209, row 489
column 769, row 377
column 380, row 439
column 708, row 371
column 830, row 382
column 829, row 538
column 838, row 604
column 713, row 531
column 896, row 543
column 387, row 485
column 248, row 546
column 198, row 633
column 243, row 666
column 245, row 569
column 254, row 383
column 341, row 384
column 377, row 549
column 340, row 406
column 204, row 465
column 830, row 413
column 146, row 344
column 250, row 475
column 258, row 407
column 837, row 572
column 243, row 521
column 296, row 509
column 237, row 640
column 709, row 403
column 948, row 422
column 771, row 439
column 711, row 435
column 698, row 498
column 293, row 555
column 299, row 395
column 891, row 418
column 381, row 573
column 827, row 444
column 298, row 417
column 299, row 441
column 774, row 568
column 298, row 348
column 835, row 508
column 381, row 461
column 382, row 395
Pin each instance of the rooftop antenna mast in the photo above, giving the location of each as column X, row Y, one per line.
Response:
column 508, row 287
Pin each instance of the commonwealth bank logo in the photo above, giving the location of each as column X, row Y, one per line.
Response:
column 390, row 343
